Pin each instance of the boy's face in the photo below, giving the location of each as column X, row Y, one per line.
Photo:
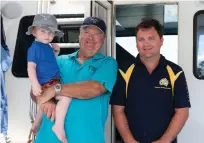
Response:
column 42, row 35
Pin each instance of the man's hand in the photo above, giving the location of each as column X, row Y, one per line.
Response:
column 133, row 141
column 161, row 141
column 49, row 109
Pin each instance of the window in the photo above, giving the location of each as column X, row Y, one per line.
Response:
column 169, row 48
column 23, row 41
column 198, row 45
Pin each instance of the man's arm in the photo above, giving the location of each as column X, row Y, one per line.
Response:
column 181, row 105
column 103, row 80
column 81, row 90
column 175, row 126
column 122, row 124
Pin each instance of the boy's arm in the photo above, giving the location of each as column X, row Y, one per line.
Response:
column 32, row 73
column 33, row 78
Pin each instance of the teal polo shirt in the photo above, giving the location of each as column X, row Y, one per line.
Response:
column 85, row 119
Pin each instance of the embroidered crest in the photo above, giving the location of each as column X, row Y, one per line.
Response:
column 92, row 68
column 164, row 82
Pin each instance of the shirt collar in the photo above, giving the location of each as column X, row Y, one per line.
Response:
column 98, row 55
column 74, row 55
column 162, row 61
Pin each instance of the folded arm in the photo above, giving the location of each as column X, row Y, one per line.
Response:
column 83, row 90
column 102, row 81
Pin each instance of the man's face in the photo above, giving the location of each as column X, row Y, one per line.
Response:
column 91, row 40
column 148, row 43
column 42, row 35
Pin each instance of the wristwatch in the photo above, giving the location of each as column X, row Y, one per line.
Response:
column 57, row 88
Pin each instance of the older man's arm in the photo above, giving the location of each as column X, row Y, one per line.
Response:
column 103, row 80
column 81, row 90
column 175, row 126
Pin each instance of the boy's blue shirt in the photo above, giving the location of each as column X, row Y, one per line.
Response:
column 46, row 65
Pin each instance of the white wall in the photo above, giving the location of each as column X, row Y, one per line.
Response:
column 72, row 7
column 194, row 128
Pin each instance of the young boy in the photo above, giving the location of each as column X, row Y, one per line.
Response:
column 43, row 70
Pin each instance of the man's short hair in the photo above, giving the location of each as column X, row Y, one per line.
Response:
column 149, row 23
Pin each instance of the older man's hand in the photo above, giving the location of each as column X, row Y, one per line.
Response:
column 49, row 109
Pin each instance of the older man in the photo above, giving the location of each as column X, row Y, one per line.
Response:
column 88, row 77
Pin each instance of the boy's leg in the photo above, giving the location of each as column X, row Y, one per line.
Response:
column 61, row 111
column 37, row 122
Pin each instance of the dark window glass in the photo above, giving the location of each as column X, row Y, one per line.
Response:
column 198, row 44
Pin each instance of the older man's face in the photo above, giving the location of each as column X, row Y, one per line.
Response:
column 91, row 40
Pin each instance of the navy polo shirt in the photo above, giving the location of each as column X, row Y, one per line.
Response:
column 150, row 103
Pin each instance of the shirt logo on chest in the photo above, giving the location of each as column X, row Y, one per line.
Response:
column 92, row 68
column 164, row 82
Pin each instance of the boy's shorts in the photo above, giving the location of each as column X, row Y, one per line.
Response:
column 42, row 99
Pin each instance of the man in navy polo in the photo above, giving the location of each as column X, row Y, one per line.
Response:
column 150, row 99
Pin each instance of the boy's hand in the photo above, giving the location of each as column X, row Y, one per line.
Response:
column 56, row 48
column 37, row 90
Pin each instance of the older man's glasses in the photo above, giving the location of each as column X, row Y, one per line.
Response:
column 94, row 35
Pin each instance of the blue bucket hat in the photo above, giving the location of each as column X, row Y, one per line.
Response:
column 95, row 21
column 47, row 22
